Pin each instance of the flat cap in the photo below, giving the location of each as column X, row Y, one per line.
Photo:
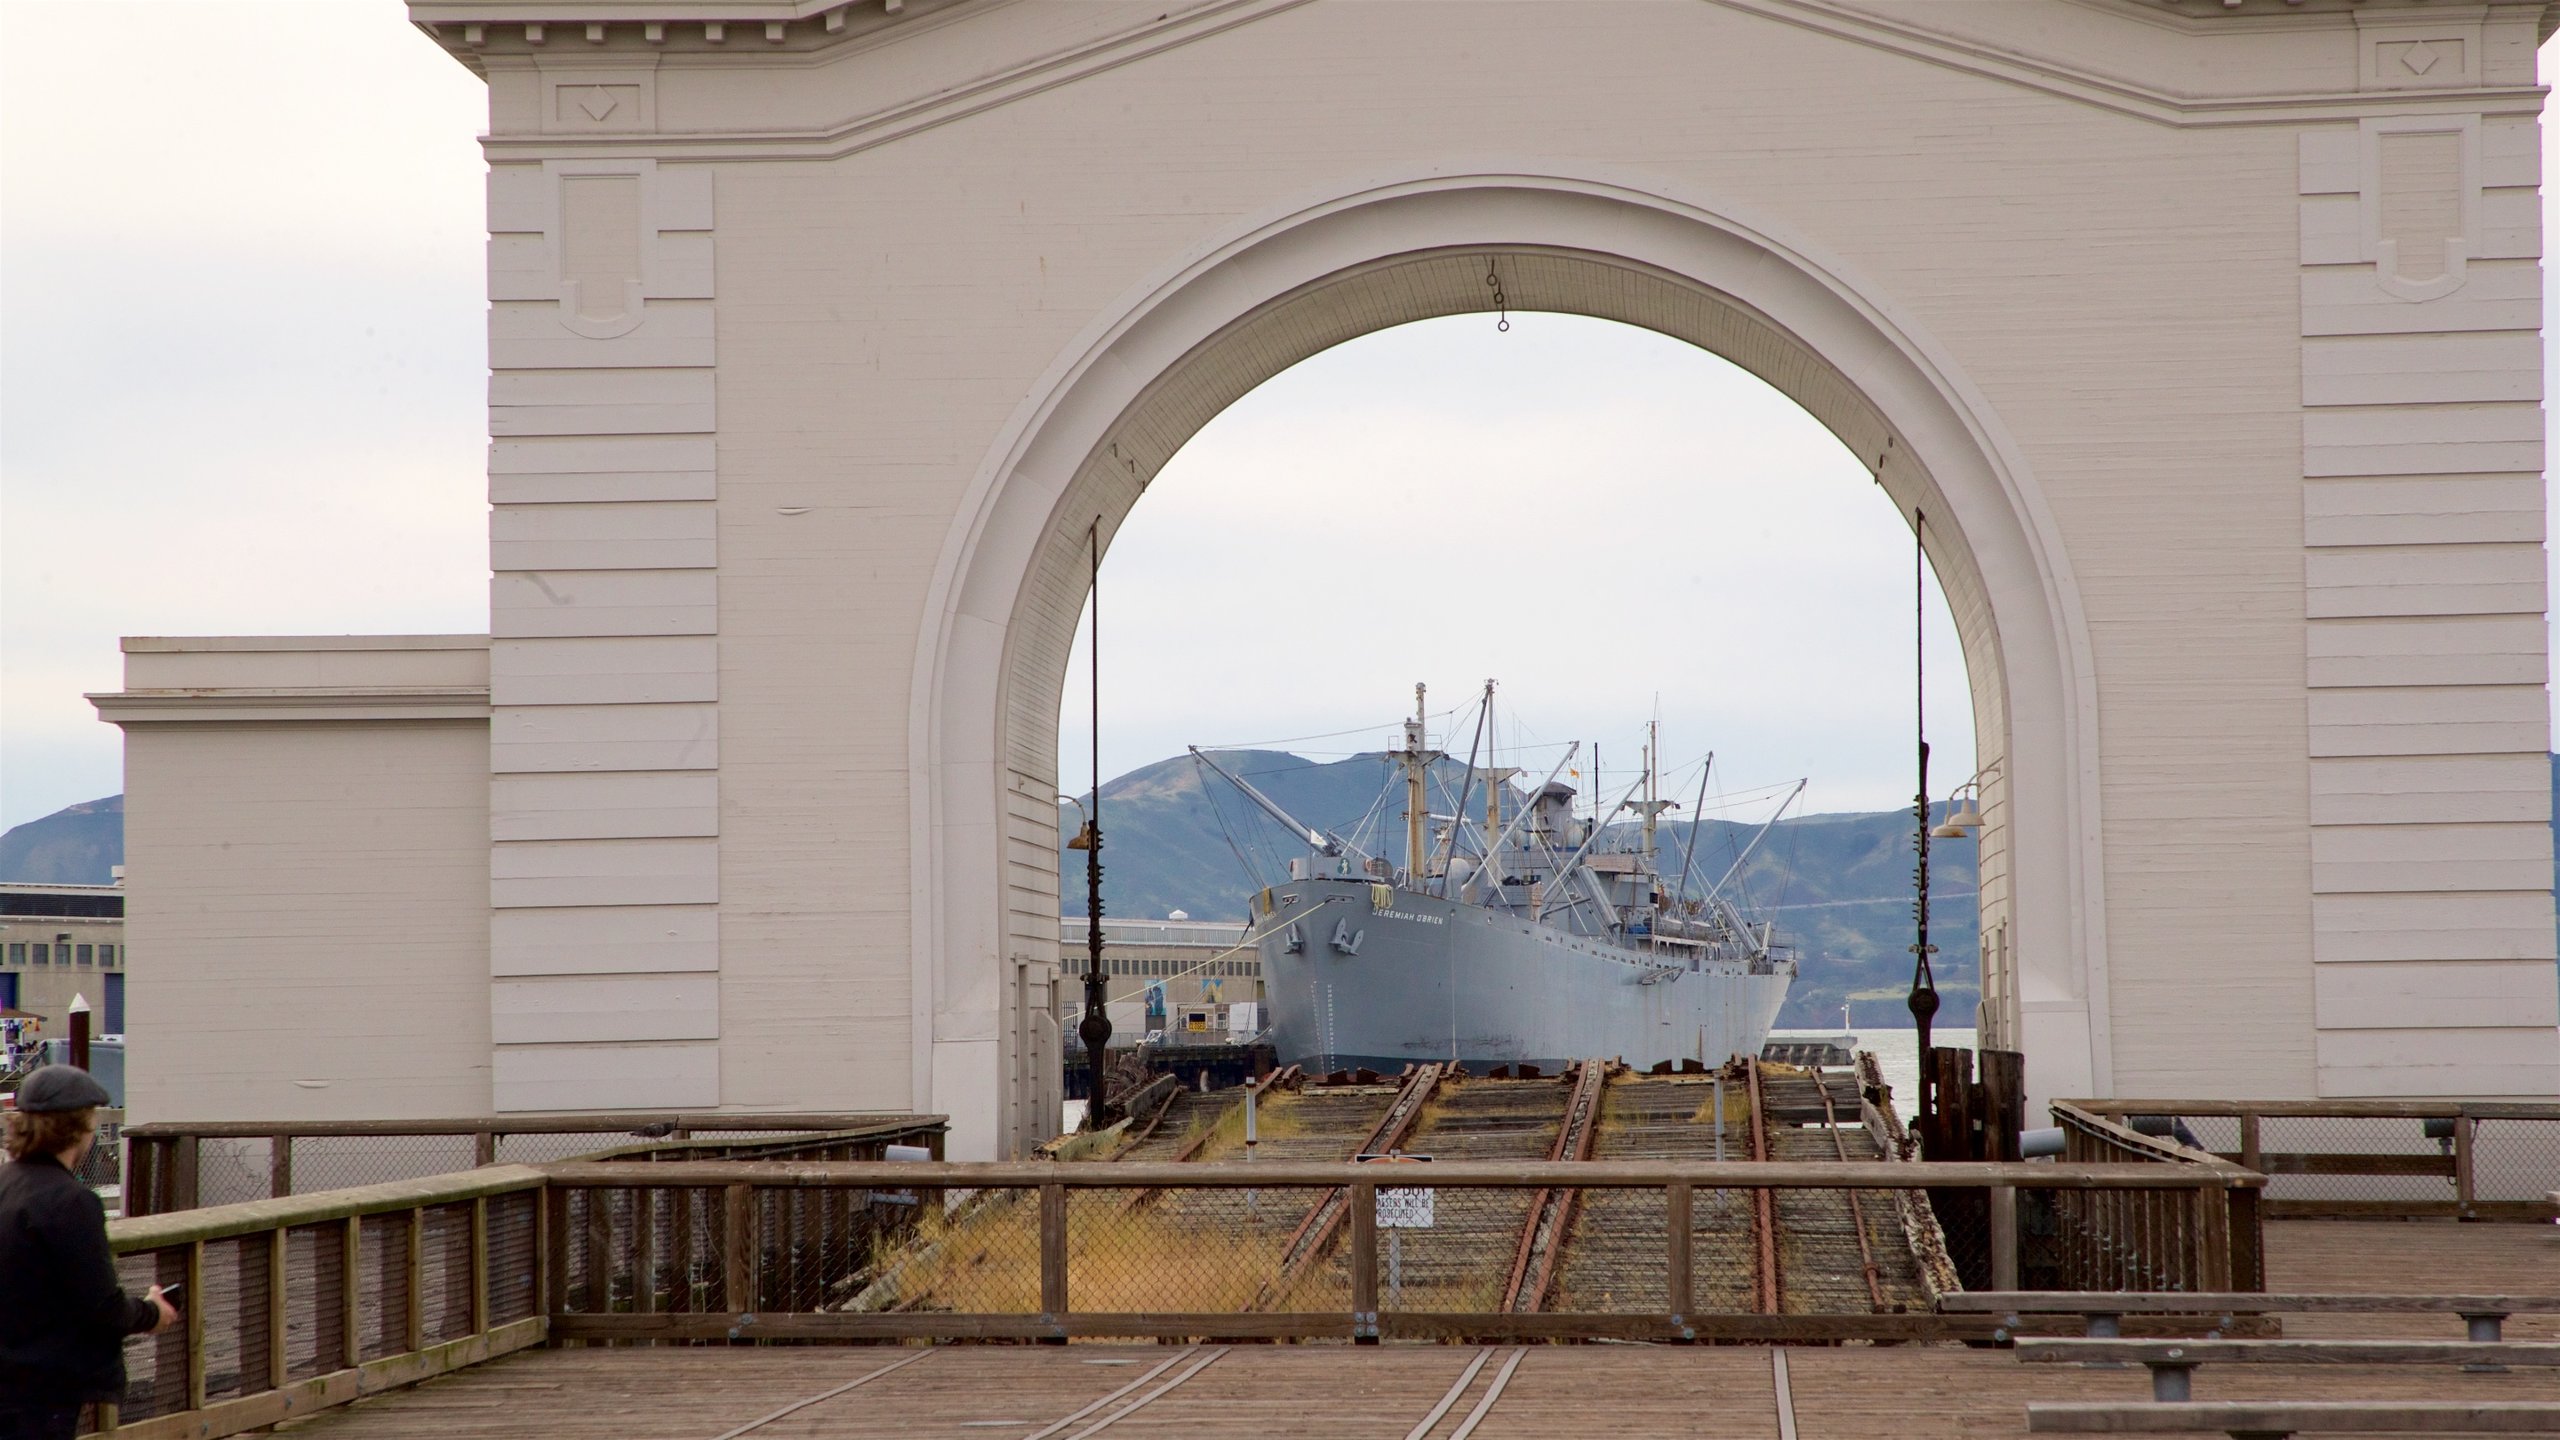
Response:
column 51, row 1089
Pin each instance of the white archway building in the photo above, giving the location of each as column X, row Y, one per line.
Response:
column 2205, row 334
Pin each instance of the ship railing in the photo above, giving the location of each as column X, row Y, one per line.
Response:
column 180, row 1165
column 2344, row 1159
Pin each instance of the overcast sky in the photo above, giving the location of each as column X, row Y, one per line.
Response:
column 242, row 391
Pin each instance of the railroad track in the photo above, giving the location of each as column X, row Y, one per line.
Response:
column 1837, row 1250
column 1551, row 1211
column 1315, row 1234
column 1765, row 1280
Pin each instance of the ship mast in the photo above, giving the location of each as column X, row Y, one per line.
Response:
column 1417, row 767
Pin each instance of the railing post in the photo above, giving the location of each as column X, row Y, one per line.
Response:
column 551, row 1249
column 2004, row 1237
column 351, row 1291
column 138, row 1177
column 680, row 1239
column 194, row 1319
column 480, row 1266
column 278, row 1371
column 279, row 1166
column 1053, row 1258
column 1364, row 1262
column 413, row 1331
column 1678, row 1200
column 2213, row 1238
column 484, row 1148
column 737, row 1236
column 644, row 1251
column 2462, row 1191
column 600, row 1252
column 2253, row 1154
column 182, row 1174
column 2248, row 1255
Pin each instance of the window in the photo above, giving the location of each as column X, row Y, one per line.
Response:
column 44, row 954
column 85, row 953
column 17, row 952
column 110, row 954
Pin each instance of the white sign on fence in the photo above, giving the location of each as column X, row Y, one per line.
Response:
column 1400, row 1209
column 1404, row 1209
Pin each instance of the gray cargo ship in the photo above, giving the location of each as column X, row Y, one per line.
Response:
column 1520, row 936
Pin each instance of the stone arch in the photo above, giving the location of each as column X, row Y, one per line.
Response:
column 1012, row 580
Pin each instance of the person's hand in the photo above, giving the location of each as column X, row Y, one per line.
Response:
column 168, row 1312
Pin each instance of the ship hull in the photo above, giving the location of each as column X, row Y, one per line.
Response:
column 1352, row 982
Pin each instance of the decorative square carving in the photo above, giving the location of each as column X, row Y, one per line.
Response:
column 2416, row 50
column 591, row 100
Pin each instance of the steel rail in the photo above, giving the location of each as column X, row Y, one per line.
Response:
column 1857, row 1212
column 1062, row 1422
column 1551, row 1210
column 1323, row 1221
column 1457, row 1390
column 1492, row 1393
column 1151, row 1397
column 1764, row 1204
column 796, row 1406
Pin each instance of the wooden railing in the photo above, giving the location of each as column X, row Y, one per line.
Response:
column 2493, row 1159
column 295, row 1305
column 2155, row 1240
column 165, row 1169
column 744, row 1251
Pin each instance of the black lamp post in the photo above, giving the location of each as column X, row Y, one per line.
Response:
column 1924, row 983
column 1095, row 1028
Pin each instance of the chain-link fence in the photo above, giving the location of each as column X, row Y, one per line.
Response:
column 2348, row 1158
column 1061, row 1250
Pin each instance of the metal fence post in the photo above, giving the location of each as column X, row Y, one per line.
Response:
column 2004, row 1237
column 1364, row 1262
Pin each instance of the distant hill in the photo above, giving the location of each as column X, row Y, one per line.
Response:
column 77, row 845
column 1839, row 886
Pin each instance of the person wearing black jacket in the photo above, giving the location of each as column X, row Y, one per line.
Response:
column 63, row 1316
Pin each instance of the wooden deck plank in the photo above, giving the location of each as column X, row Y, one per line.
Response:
column 1339, row 1392
column 2410, row 1257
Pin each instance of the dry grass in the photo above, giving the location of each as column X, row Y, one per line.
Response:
column 1276, row 1117
column 1117, row 1260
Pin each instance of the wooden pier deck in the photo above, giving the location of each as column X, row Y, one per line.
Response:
column 1339, row 1392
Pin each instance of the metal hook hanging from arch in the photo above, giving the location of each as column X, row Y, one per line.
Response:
column 1501, row 302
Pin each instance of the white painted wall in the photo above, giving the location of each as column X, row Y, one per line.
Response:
column 814, row 337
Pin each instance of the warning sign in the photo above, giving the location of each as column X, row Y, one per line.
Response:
column 1402, row 1208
